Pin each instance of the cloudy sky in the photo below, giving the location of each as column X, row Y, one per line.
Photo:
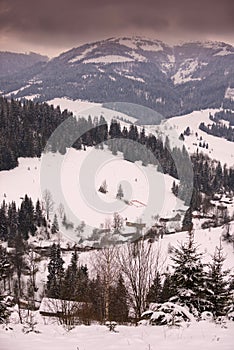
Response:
column 53, row 26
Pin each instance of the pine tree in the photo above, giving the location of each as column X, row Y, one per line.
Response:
column 18, row 259
column 82, row 288
column 26, row 218
column 5, row 266
column 218, row 292
column 70, row 278
column 12, row 223
column 189, row 277
column 96, row 296
column 38, row 214
column 168, row 288
column 103, row 187
column 55, row 225
column 155, row 290
column 175, row 188
column 119, row 309
column 120, row 194
column 3, row 222
column 56, row 272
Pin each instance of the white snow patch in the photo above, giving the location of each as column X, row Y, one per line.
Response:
column 134, row 78
column 83, row 54
column 138, row 57
column 224, row 52
column 109, row 59
column 16, row 91
column 229, row 93
column 128, row 42
column 31, row 97
column 74, row 106
column 154, row 46
column 112, row 78
column 184, row 73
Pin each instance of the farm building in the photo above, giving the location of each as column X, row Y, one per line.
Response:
column 58, row 307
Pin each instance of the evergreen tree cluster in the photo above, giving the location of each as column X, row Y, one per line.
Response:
column 26, row 127
column 194, row 284
column 24, row 220
column 198, row 286
column 218, row 128
column 210, row 176
column 74, row 283
column 136, row 146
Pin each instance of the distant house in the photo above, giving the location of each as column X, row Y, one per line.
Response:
column 58, row 307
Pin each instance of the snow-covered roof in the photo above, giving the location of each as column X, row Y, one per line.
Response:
column 54, row 306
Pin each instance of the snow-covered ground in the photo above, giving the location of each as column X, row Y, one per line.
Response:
column 219, row 148
column 76, row 184
column 202, row 335
column 85, row 108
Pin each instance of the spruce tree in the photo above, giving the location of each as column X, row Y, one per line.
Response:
column 168, row 288
column 38, row 214
column 71, row 278
column 189, row 277
column 12, row 223
column 82, row 288
column 155, row 290
column 55, row 225
column 119, row 308
column 56, row 272
column 120, row 194
column 26, row 218
column 96, row 297
column 3, row 222
column 218, row 291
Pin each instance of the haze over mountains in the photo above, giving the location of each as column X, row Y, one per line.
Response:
column 171, row 80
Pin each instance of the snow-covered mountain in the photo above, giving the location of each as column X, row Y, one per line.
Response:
column 171, row 80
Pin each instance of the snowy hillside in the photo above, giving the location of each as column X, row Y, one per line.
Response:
column 147, row 190
column 218, row 148
column 85, row 108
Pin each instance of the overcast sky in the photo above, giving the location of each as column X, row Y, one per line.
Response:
column 54, row 26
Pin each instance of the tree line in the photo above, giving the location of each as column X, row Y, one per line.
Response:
column 122, row 281
column 218, row 128
column 25, row 220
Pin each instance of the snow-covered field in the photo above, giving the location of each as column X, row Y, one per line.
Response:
column 76, row 185
column 85, row 108
column 219, row 148
column 202, row 335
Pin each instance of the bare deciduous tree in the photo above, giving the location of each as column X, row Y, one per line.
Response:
column 105, row 265
column 48, row 202
column 139, row 264
column 61, row 210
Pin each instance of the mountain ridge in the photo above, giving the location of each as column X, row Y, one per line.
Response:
column 169, row 79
